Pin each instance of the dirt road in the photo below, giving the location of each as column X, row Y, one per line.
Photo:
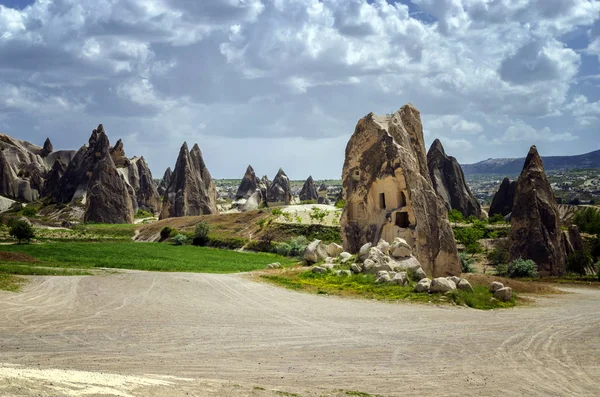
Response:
column 138, row 334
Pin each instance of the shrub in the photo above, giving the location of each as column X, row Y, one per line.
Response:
column 518, row 269
column 29, row 212
column 261, row 222
column 578, row 262
column 497, row 218
column 473, row 219
column 201, row 234
column 455, row 216
column 466, row 263
column 225, row 242
column 166, row 232
column 306, row 202
column 282, row 249
column 341, row 203
column 469, row 237
column 180, row 239
column 143, row 214
column 21, row 230
column 318, row 214
column 277, row 212
column 298, row 246
column 501, row 253
column 588, row 220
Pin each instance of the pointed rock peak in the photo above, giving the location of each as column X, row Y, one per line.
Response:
column 280, row 173
column 249, row 170
column 323, row 187
column 195, row 148
column 184, row 149
column 100, row 129
column 310, row 179
column 533, row 159
column 437, row 146
column 119, row 145
column 102, row 141
column 168, row 172
column 48, row 148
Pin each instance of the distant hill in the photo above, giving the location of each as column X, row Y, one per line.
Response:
column 515, row 166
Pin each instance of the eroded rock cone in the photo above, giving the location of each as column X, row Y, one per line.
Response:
column 279, row 191
column 191, row 191
column 108, row 198
column 309, row 191
column 8, row 178
column 449, row 182
column 536, row 229
column 251, row 193
column 145, row 190
column 504, row 199
column 389, row 192
column 54, row 175
column 322, row 192
column 47, row 149
column 118, row 155
column 165, row 182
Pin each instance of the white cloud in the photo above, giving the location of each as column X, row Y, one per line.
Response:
column 522, row 132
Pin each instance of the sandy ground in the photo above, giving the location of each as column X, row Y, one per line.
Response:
column 173, row 334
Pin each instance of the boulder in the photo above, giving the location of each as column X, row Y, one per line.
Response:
column 464, row 285
column 345, row 256
column 495, row 286
column 400, row 279
column 384, row 278
column 442, row 285
column 454, row 279
column 423, row 285
column 389, row 191
column 356, row 268
column 275, row 265
column 419, row 274
column 449, row 182
column 410, row 264
column 363, row 253
column 343, row 273
column 384, row 246
column 503, row 294
column 315, row 252
column 536, row 228
column 191, row 191
column 400, row 248
column 309, row 191
column 504, row 199
column 318, row 269
column 279, row 191
column 334, row 250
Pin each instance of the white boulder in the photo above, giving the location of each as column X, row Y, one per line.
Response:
column 315, row 252
column 442, row 285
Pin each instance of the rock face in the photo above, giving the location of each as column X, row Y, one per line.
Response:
column 165, row 182
column 118, row 155
column 449, row 182
column 47, row 149
column 504, row 199
column 54, row 175
column 108, row 199
column 322, row 192
column 191, row 191
column 140, row 179
column 251, row 193
column 536, row 230
column 389, row 193
column 309, row 191
column 279, row 191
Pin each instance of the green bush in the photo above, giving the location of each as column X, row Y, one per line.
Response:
column 180, row 239
column 29, row 212
column 318, row 214
column 497, row 218
column 341, row 203
column 578, row 262
column 588, row 220
column 518, row 269
column 466, row 263
column 469, row 237
column 298, row 246
column 455, row 216
column 166, row 232
column 143, row 214
column 500, row 254
column 306, row 202
column 225, row 242
column 21, row 230
column 282, row 249
column 277, row 212
column 201, row 234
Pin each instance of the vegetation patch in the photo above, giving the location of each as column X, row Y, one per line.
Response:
column 8, row 282
column 364, row 286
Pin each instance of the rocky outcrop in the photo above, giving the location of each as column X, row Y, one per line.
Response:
column 389, row 192
column 449, row 182
column 118, row 155
column 47, row 149
column 266, row 181
column 251, row 193
column 108, row 199
column 145, row 192
column 165, row 182
column 279, row 191
column 309, row 191
column 191, row 191
column 322, row 193
column 504, row 199
column 53, row 177
column 536, row 229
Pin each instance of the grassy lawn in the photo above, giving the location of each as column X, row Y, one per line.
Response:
column 363, row 286
column 143, row 256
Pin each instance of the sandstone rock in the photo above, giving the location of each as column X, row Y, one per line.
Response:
column 454, row 279
column 318, row 269
column 356, row 268
column 389, row 192
column 315, row 252
column 495, row 286
column 423, row 285
column 108, row 200
column 344, row 256
column 251, row 193
column 504, row 199
column 275, row 265
column 384, row 278
column 536, row 229
column 334, row 250
column 464, row 285
column 279, row 191
column 410, row 264
column 449, row 182
column 363, row 253
column 442, row 285
column 322, row 195
column 503, row 294
column 165, row 182
column 145, row 193
column 329, row 259
column 400, row 279
column 384, row 246
column 309, row 191
column 400, row 248
column 118, row 155
column 192, row 190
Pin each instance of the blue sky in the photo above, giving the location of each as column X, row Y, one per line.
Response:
column 282, row 83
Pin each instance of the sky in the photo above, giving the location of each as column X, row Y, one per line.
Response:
column 282, row 83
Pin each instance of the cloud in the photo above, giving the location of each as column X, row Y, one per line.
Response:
column 522, row 132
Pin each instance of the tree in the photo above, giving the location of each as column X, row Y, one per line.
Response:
column 579, row 261
column 22, row 230
column 455, row 216
column 201, row 234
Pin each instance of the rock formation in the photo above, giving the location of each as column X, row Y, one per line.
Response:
column 251, row 193
column 279, row 191
column 118, row 155
column 54, row 175
column 389, row 192
column 503, row 200
column 449, row 182
column 191, row 191
column 536, row 229
column 139, row 177
column 47, row 149
column 165, row 182
column 108, row 199
column 309, row 191
column 322, row 193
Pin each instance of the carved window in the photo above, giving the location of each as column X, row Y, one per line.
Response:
column 402, row 220
column 382, row 201
column 402, row 199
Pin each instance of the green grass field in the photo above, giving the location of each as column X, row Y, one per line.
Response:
column 143, row 256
